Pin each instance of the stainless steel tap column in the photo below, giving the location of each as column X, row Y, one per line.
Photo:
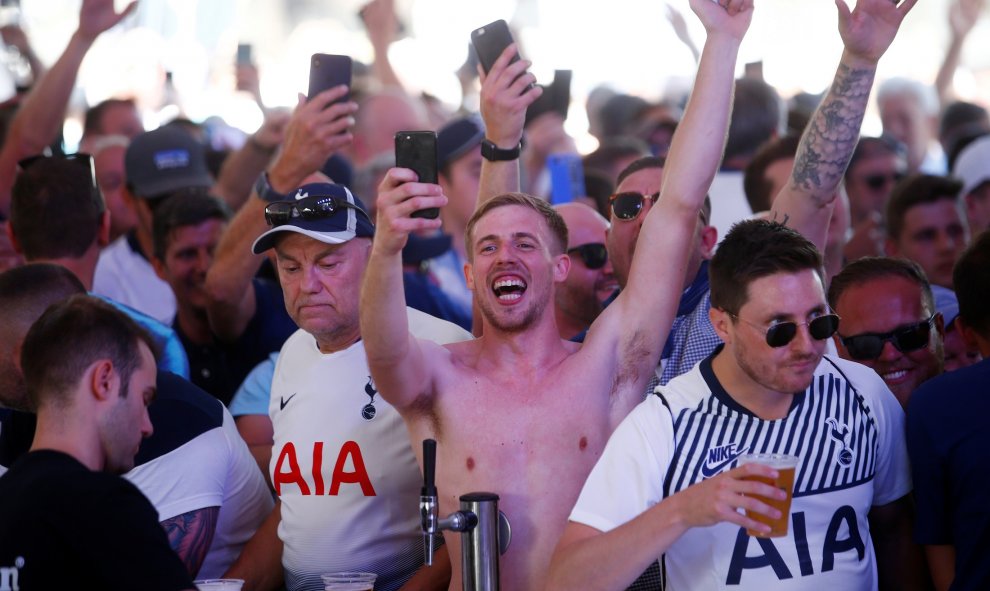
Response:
column 480, row 544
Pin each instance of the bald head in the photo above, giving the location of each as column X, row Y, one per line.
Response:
column 25, row 293
column 590, row 281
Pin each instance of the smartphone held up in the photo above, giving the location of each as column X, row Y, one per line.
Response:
column 417, row 151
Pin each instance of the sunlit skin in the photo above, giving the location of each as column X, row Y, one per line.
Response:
column 934, row 236
column 764, row 379
column 882, row 305
column 321, row 283
column 622, row 234
column 958, row 354
column 865, row 200
column 578, row 300
column 460, row 185
column 126, row 423
column 109, row 164
column 904, row 119
column 188, row 257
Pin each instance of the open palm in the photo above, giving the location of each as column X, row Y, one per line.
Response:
column 869, row 30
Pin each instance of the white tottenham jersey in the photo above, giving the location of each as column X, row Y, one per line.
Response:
column 848, row 431
column 343, row 466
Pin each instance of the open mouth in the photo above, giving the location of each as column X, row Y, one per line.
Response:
column 894, row 376
column 509, row 289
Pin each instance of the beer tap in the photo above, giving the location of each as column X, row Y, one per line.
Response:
column 485, row 531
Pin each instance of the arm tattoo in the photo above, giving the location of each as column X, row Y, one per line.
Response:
column 191, row 534
column 831, row 136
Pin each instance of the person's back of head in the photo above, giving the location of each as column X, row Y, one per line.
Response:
column 68, row 338
column 971, row 280
column 25, row 293
column 754, row 249
column 757, row 116
column 914, row 190
column 869, row 269
column 615, row 153
column 961, row 118
column 56, row 210
column 619, row 113
column 759, row 187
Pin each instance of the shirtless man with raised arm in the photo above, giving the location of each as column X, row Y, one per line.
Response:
column 519, row 411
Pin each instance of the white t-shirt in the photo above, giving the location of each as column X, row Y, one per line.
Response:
column 729, row 204
column 343, row 465
column 848, row 430
column 125, row 276
column 217, row 470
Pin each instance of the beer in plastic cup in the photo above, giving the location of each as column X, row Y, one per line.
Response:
column 349, row 581
column 219, row 584
column 785, row 465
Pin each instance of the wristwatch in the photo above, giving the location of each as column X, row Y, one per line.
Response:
column 265, row 190
column 492, row 153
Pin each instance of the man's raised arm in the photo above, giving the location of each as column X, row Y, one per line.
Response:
column 831, row 136
column 396, row 358
column 641, row 316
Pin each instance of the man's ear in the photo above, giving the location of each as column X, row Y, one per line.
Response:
column 103, row 379
column 103, row 232
column 469, row 275
column 13, row 238
column 159, row 266
column 561, row 267
column 720, row 320
column 709, row 238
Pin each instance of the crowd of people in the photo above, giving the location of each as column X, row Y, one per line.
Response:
column 224, row 363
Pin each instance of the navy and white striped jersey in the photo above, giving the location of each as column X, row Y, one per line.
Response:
column 846, row 428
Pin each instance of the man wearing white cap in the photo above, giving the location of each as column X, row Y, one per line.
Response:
column 342, row 464
column 973, row 169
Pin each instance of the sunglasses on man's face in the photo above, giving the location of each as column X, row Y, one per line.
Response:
column 879, row 181
column 628, row 204
column 906, row 338
column 314, row 207
column 782, row 333
column 593, row 255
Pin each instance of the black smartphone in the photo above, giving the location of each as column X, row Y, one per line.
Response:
column 490, row 41
column 327, row 71
column 244, row 57
column 417, row 151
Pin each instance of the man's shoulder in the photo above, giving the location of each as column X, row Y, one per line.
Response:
column 966, row 385
column 180, row 413
column 865, row 380
column 687, row 389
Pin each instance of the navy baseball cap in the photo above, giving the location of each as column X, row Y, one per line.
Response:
column 331, row 227
column 165, row 160
column 457, row 137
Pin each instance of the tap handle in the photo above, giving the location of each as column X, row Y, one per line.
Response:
column 429, row 467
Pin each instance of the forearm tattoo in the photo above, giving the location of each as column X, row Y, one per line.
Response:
column 191, row 534
column 831, row 136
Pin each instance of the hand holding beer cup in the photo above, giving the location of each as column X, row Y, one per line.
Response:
column 785, row 466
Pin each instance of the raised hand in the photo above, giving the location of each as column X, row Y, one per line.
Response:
column 399, row 195
column 506, row 91
column 869, row 29
column 728, row 17
column 97, row 16
column 963, row 15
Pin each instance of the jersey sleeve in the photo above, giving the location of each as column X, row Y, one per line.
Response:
column 892, row 479
column 628, row 478
column 932, row 519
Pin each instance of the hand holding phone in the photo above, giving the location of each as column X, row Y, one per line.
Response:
column 417, row 151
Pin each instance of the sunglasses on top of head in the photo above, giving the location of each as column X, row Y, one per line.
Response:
column 593, row 255
column 780, row 334
column 314, row 207
column 906, row 338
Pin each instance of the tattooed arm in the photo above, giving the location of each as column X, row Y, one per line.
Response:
column 828, row 142
column 191, row 534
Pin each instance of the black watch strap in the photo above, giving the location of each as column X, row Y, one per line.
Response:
column 265, row 190
column 492, row 153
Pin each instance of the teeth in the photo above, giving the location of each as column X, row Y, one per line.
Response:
column 508, row 283
column 509, row 289
column 895, row 375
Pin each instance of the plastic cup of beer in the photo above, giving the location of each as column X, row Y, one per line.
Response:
column 219, row 584
column 349, row 581
column 785, row 465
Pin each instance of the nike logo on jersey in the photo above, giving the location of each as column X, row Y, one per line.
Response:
column 284, row 401
column 720, row 457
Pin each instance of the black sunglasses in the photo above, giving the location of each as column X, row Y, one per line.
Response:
column 905, row 339
column 594, row 255
column 314, row 207
column 781, row 333
column 879, row 181
column 628, row 204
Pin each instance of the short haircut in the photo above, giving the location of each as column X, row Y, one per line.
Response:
column 755, row 183
column 599, row 186
column 923, row 94
column 757, row 115
column 93, row 120
column 972, row 283
column 754, row 249
column 869, row 269
column 870, row 147
column 615, row 148
column 558, row 228
column 68, row 338
column 186, row 208
column 914, row 190
column 55, row 209
column 642, row 164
